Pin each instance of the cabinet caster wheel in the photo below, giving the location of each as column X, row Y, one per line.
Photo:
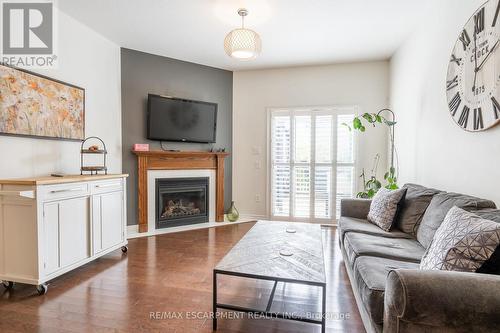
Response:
column 8, row 284
column 42, row 289
column 124, row 249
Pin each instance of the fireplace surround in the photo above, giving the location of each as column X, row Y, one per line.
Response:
column 177, row 164
column 181, row 201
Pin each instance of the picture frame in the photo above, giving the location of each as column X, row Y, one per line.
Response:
column 37, row 106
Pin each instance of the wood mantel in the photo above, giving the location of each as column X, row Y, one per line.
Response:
column 176, row 160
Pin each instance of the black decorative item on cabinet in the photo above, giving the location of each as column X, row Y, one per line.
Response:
column 93, row 149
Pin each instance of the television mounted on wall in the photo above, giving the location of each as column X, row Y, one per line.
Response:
column 181, row 120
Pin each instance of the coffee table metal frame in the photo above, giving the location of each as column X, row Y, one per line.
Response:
column 267, row 312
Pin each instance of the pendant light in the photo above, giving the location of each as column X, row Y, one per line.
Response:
column 242, row 43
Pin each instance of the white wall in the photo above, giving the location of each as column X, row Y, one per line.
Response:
column 365, row 85
column 433, row 150
column 90, row 61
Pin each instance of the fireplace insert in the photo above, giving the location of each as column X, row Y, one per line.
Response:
column 181, row 201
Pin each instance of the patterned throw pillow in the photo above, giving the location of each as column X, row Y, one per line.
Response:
column 463, row 242
column 384, row 207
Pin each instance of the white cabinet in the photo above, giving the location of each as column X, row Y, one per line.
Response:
column 108, row 229
column 74, row 225
column 47, row 229
column 66, row 226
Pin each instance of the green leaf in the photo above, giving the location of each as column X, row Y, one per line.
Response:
column 365, row 195
column 373, row 184
column 389, row 123
column 392, row 170
column 386, row 175
column 362, row 128
column 368, row 117
column 378, row 119
column 356, row 123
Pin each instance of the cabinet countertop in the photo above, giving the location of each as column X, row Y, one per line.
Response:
column 49, row 180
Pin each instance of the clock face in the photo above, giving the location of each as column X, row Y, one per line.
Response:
column 473, row 81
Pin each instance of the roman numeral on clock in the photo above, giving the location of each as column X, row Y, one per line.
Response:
column 496, row 15
column 450, row 84
column 455, row 59
column 455, row 103
column 478, row 119
column 465, row 39
column 464, row 117
column 479, row 21
column 496, row 107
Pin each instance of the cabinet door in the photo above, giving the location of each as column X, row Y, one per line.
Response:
column 74, row 225
column 108, row 220
column 51, row 235
column 112, row 219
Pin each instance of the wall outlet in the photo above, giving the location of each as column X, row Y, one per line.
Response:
column 257, row 198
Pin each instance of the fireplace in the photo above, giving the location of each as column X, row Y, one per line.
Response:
column 181, row 201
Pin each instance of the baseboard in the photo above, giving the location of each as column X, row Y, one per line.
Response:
column 133, row 230
column 253, row 217
column 332, row 223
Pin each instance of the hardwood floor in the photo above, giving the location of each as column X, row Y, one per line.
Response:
column 164, row 284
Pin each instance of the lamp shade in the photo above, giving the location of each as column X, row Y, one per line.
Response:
column 242, row 44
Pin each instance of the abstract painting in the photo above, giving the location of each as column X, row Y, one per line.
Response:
column 37, row 106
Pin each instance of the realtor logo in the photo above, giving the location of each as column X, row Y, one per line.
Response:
column 28, row 33
column 27, row 28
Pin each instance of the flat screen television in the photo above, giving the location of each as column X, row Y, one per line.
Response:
column 182, row 120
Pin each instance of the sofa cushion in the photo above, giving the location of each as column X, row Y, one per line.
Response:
column 488, row 214
column 492, row 265
column 440, row 204
column 358, row 245
column 350, row 224
column 384, row 207
column 463, row 242
column 413, row 207
column 370, row 274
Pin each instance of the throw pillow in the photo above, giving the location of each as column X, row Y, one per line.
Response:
column 463, row 242
column 413, row 207
column 384, row 207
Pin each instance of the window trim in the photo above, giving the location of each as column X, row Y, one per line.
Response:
column 314, row 111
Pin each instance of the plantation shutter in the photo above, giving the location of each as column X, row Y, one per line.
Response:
column 312, row 163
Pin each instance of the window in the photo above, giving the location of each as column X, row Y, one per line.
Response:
column 312, row 162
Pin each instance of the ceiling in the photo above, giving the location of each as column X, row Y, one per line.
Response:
column 293, row 32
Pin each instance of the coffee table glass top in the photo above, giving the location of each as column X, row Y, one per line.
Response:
column 281, row 250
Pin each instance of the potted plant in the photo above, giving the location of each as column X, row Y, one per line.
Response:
column 372, row 185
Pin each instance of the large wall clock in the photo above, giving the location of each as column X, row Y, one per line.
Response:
column 473, row 81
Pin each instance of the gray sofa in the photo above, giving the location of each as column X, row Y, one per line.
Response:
column 392, row 293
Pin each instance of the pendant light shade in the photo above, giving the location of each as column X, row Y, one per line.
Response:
column 242, row 43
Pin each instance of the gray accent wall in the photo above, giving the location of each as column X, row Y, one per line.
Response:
column 143, row 73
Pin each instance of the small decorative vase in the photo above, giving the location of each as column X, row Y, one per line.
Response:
column 232, row 214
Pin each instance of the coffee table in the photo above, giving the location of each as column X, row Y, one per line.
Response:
column 287, row 252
